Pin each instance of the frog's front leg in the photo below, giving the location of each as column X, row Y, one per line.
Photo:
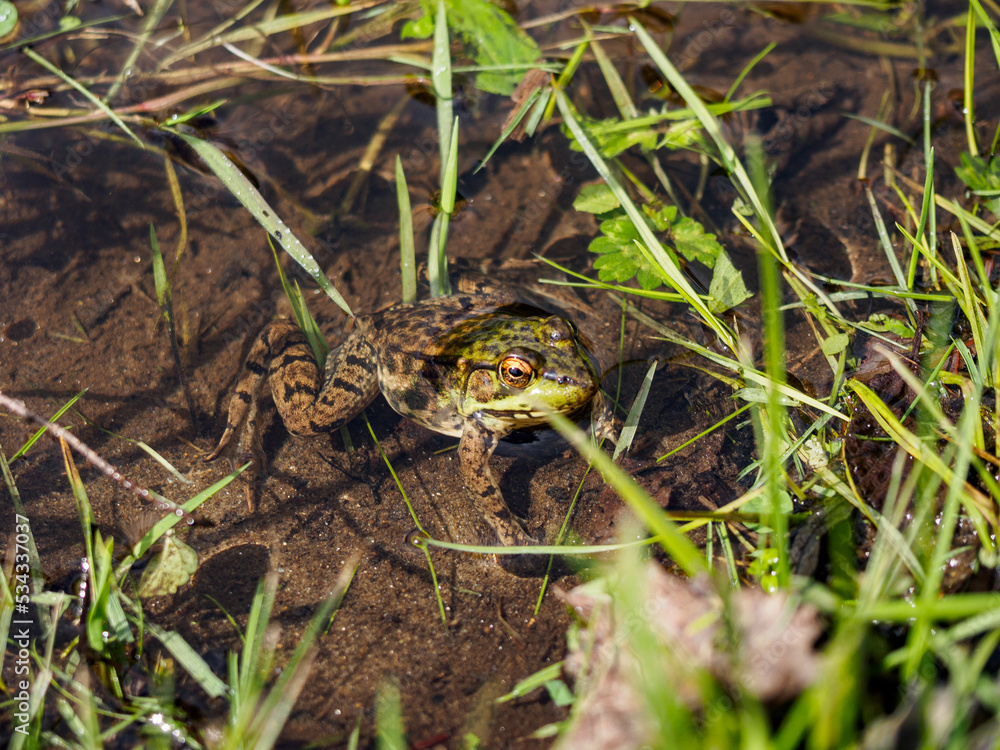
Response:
column 282, row 356
column 474, row 451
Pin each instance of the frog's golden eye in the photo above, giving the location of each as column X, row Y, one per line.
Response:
column 515, row 372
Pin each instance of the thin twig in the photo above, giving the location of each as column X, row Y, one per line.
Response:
column 18, row 408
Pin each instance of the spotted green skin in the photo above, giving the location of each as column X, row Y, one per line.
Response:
column 437, row 362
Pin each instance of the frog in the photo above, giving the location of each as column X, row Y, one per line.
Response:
column 473, row 365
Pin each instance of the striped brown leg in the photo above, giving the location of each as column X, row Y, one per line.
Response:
column 281, row 355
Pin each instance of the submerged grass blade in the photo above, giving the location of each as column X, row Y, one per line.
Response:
column 152, row 22
column 407, row 254
column 169, row 521
column 110, row 113
column 164, row 298
column 711, row 125
column 256, row 31
column 54, row 418
column 189, row 659
column 389, row 733
column 632, row 420
column 250, row 197
column 747, row 373
column 274, row 711
column 424, row 536
column 977, row 502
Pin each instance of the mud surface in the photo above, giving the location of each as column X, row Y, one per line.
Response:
column 78, row 312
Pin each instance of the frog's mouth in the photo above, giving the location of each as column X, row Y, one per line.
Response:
column 534, row 416
column 529, row 416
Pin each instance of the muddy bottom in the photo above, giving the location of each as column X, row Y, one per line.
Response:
column 78, row 312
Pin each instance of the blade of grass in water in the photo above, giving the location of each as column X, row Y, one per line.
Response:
column 416, row 520
column 927, row 225
column 169, row 521
column 93, row 99
column 441, row 79
column 32, row 40
column 41, row 431
column 389, row 733
column 920, row 451
column 968, row 104
column 437, row 260
column 272, row 715
column 711, row 125
column 407, row 255
column 771, row 238
column 772, row 424
column 674, row 274
column 632, row 420
column 150, row 25
column 263, row 29
column 164, row 298
column 684, row 553
column 248, row 195
column 34, row 560
column 879, row 125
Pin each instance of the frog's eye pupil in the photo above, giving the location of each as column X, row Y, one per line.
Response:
column 515, row 372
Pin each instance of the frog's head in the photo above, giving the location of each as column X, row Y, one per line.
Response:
column 522, row 361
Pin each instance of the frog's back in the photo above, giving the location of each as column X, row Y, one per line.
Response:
column 426, row 351
column 421, row 365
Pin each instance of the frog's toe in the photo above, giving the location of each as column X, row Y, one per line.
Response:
column 252, row 478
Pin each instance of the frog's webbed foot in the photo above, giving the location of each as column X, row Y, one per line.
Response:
column 244, row 422
column 602, row 419
column 475, row 449
column 278, row 344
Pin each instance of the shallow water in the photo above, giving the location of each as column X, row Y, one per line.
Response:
column 78, row 311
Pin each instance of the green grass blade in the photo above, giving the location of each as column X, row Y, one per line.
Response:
column 55, row 417
column 277, row 707
column 441, row 80
column 747, row 68
column 437, row 260
column 93, row 99
column 533, row 682
column 148, row 27
column 169, row 521
column 651, row 244
column 248, row 195
column 711, row 125
column 424, row 536
column 407, row 254
column 968, row 102
column 263, row 29
column 684, row 553
column 389, row 718
column 189, row 660
column 632, row 420
column 879, row 125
